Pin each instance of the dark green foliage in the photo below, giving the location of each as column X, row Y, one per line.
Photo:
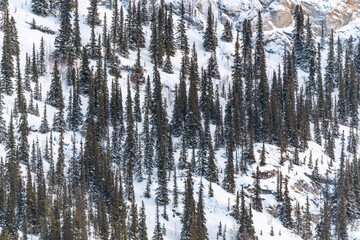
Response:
column 44, row 127
column 157, row 235
column 257, row 198
column 286, row 208
column 55, row 97
column 85, row 73
column 3, row 131
column 93, row 14
column 181, row 37
column 209, row 38
column 142, row 223
column 76, row 40
column 229, row 180
column 39, row 7
column 63, row 42
column 129, row 146
column 227, row 35
column 7, row 65
column 189, row 212
column 298, row 34
column 330, row 67
column 201, row 228
column 169, row 39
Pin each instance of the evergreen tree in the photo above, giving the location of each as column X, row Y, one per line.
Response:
column 298, row 34
column 122, row 41
column 54, row 97
column 286, row 209
column 24, row 131
column 330, row 76
column 144, row 12
column 42, row 64
column 175, row 190
column 142, row 223
column 153, row 47
column 133, row 221
column 169, row 40
column 263, row 156
column 257, row 199
column 229, row 181
column 44, row 126
column 167, row 64
column 85, row 73
column 307, row 218
column 189, row 209
column 76, row 40
column 63, row 41
column 227, row 35
column 323, row 228
column 75, row 116
column 39, row 7
column 129, row 146
column 201, row 228
column 157, row 230
column 7, row 65
column 92, row 17
column 309, row 49
column 181, row 37
column 298, row 223
column 27, row 74
column 3, row 131
column 138, row 36
column 209, row 38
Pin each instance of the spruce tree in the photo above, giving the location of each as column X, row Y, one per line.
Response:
column 54, row 97
column 229, row 180
column 330, row 67
column 42, row 64
column 142, row 223
column 157, row 235
column 133, row 222
column 144, row 12
column 257, row 199
column 3, row 131
column 298, row 34
column 7, row 65
column 227, row 35
column 169, row 39
column 44, row 126
column 24, row 144
column 27, row 74
column 181, row 37
column 286, row 208
column 307, row 224
column 189, row 209
column 129, row 146
column 85, row 73
column 39, row 7
column 92, row 17
column 209, row 38
column 76, row 40
column 201, row 228
column 63, row 44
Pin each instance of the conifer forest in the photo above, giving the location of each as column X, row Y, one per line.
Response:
column 179, row 120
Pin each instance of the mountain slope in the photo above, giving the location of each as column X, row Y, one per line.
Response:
column 217, row 208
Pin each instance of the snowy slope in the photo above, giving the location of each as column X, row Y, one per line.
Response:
column 216, row 207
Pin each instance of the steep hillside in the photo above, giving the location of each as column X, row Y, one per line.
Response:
column 307, row 180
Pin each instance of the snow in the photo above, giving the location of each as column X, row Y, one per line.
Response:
column 216, row 208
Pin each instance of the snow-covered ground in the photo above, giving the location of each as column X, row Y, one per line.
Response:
column 216, row 208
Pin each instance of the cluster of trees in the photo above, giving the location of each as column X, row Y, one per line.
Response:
column 96, row 190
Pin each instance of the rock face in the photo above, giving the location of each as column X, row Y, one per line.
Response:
column 277, row 13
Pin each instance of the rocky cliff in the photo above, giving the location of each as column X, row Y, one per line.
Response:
column 277, row 13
